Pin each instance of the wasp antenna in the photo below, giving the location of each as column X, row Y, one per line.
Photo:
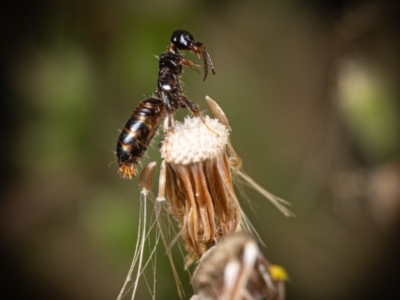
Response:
column 207, row 62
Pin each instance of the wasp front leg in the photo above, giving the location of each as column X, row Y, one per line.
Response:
column 191, row 65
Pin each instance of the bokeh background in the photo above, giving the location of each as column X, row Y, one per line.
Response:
column 311, row 89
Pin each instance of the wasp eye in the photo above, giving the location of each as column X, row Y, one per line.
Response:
column 182, row 39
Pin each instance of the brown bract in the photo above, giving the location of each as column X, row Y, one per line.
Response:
column 202, row 200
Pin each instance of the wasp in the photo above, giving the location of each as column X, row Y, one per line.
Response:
column 140, row 129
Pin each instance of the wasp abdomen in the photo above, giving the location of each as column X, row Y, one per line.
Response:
column 137, row 134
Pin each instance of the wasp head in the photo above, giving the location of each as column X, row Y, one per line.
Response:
column 183, row 40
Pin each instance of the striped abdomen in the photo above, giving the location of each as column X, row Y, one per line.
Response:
column 137, row 134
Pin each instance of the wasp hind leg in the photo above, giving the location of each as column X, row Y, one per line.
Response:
column 195, row 110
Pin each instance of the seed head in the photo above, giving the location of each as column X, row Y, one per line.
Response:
column 195, row 140
column 198, row 183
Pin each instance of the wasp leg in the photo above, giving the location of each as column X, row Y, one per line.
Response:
column 191, row 65
column 195, row 110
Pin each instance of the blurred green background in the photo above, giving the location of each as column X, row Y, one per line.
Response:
column 312, row 93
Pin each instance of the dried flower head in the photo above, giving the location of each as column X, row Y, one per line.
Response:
column 235, row 269
column 198, row 182
column 196, row 179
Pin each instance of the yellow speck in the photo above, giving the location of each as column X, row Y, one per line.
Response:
column 278, row 273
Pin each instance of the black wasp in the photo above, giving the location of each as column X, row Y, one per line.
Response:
column 146, row 118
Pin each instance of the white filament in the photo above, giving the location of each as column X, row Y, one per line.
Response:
column 195, row 140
